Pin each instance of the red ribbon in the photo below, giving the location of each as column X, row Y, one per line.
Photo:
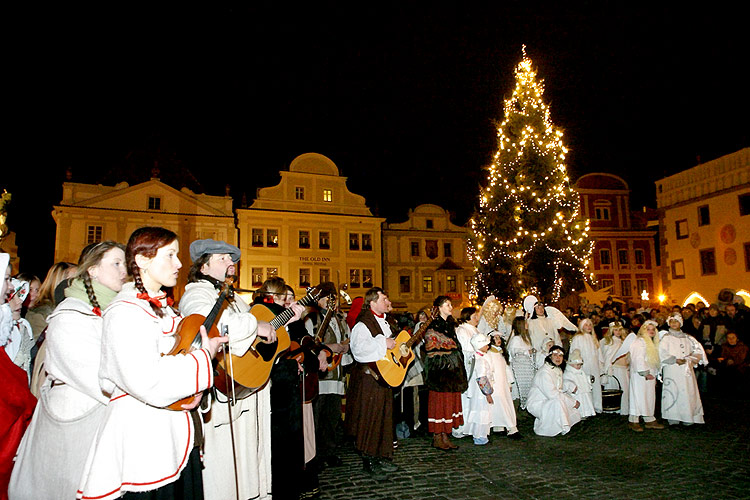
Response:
column 155, row 301
column 97, row 311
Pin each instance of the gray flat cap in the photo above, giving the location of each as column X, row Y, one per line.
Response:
column 201, row 247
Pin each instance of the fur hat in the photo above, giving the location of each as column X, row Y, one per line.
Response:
column 575, row 357
column 479, row 340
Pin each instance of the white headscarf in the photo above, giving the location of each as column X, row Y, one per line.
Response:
column 6, row 315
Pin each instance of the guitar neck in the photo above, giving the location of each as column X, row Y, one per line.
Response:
column 213, row 315
column 288, row 314
column 422, row 329
column 323, row 325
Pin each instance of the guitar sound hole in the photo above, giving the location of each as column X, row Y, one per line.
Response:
column 267, row 351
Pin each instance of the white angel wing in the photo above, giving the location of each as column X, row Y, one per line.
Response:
column 559, row 319
column 625, row 347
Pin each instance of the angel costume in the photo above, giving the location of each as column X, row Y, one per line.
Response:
column 547, row 325
column 616, row 370
column 680, row 399
column 465, row 332
column 592, row 364
column 578, row 384
column 503, row 412
column 554, row 409
column 523, row 366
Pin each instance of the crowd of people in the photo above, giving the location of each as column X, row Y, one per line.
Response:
column 113, row 390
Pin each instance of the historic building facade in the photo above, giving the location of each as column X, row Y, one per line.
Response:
column 624, row 248
column 310, row 228
column 91, row 213
column 425, row 257
column 704, row 221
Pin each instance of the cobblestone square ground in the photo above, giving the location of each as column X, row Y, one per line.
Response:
column 600, row 458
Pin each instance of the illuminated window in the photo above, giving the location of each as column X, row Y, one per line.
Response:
column 642, row 285
column 327, row 195
column 450, row 283
column 271, row 272
column 427, row 284
column 94, row 234
column 272, row 238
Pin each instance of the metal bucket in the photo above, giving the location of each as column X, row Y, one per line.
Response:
column 612, row 398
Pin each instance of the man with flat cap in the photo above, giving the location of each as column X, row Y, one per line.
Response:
column 213, row 262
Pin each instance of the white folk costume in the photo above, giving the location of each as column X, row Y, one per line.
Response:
column 503, row 412
column 578, row 384
column 642, row 391
column 465, row 332
column 616, row 368
column 587, row 344
column 680, row 399
column 141, row 445
column 251, row 415
column 523, row 365
column 478, row 416
column 554, row 409
column 547, row 325
column 21, row 338
column 71, row 405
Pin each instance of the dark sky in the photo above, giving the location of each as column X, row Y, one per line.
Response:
column 402, row 97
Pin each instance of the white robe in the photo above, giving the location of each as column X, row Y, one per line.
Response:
column 478, row 421
column 642, row 391
column 592, row 364
column 554, row 409
column 680, row 399
column 616, row 368
column 464, row 332
column 251, row 416
column 581, row 389
column 549, row 326
column 503, row 412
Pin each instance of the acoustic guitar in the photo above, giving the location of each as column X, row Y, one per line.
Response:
column 188, row 337
column 252, row 370
column 392, row 368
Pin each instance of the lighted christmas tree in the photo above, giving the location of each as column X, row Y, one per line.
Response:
column 527, row 236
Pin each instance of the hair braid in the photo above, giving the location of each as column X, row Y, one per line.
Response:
column 136, row 272
column 90, row 291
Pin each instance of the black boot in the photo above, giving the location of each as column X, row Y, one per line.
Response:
column 372, row 468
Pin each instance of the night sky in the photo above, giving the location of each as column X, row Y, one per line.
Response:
column 403, row 97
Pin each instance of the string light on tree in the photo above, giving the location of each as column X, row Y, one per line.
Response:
column 528, row 229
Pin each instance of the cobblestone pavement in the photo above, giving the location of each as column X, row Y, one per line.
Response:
column 599, row 458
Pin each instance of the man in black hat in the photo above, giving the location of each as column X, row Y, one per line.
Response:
column 213, row 262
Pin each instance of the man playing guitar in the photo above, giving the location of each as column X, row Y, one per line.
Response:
column 213, row 262
column 369, row 401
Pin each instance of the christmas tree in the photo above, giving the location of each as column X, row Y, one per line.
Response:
column 527, row 235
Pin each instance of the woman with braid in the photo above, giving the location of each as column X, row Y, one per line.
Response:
column 142, row 448
column 71, row 403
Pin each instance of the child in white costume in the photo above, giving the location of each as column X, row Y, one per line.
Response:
column 679, row 354
column 481, row 388
column 578, row 384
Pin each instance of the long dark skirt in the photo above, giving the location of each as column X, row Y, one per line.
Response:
column 189, row 485
column 369, row 414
